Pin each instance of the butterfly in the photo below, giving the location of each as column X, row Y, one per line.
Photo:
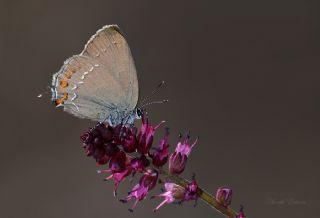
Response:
column 101, row 82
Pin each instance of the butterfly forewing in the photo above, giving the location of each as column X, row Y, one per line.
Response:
column 111, row 49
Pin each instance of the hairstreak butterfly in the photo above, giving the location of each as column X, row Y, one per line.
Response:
column 101, row 82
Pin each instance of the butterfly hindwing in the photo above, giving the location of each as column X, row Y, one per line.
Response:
column 100, row 79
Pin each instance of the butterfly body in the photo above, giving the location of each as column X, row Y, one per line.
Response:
column 101, row 82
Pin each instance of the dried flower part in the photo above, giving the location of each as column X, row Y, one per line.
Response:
column 178, row 160
column 94, row 142
column 224, row 195
column 160, row 155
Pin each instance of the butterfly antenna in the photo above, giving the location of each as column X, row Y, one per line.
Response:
column 152, row 93
column 155, row 102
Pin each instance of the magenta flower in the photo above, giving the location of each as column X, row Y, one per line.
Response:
column 160, row 156
column 118, row 177
column 172, row 192
column 140, row 190
column 176, row 192
column 178, row 160
column 118, row 169
column 145, row 137
column 191, row 190
column 224, row 195
column 139, row 164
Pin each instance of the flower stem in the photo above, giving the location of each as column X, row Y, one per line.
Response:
column 202, row 194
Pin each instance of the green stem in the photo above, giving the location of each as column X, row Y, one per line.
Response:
column 203, row 195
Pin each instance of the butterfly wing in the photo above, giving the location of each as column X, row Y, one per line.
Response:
column 100, row 80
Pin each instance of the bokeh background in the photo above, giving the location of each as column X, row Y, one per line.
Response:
column 241, row 75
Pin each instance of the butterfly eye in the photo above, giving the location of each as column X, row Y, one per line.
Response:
column 139, row 112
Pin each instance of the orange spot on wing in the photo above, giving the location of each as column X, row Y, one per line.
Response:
column 63, row 83
column 62, row 99
column 58, row 101
column 65, row 96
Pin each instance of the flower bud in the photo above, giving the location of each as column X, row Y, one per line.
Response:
column 106, row 132
column 130, row 142
column 224, row 196
column 94, row 146
column 178, row 160
column 149, row 179
column 191, row 190
column 177, row 163
column 86, row 137
column 118, row 133
column 97, row 141
column 111, row 149
column 118, row 162
column 103, row 159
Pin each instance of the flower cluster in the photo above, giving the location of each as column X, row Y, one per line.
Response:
column 127, row 151
column 114, row 146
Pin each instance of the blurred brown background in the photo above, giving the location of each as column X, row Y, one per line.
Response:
column 242, row 75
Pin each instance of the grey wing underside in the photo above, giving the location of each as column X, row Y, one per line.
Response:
column 100, row 80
